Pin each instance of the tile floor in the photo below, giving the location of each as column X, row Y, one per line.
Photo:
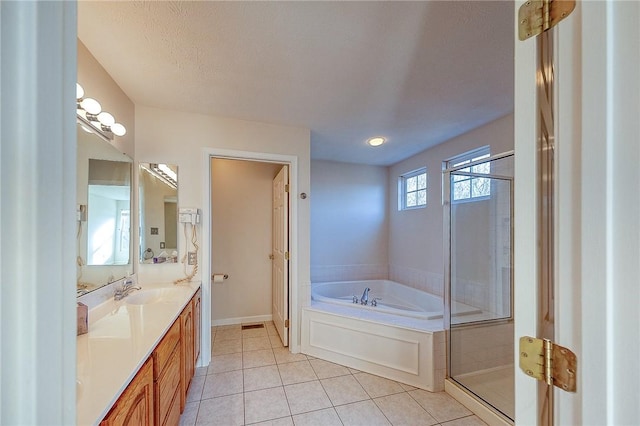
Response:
column 253, row 379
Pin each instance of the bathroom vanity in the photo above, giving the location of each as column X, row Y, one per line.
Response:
column 136, row 363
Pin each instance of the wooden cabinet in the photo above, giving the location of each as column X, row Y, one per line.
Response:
column 186, row 360
column 197, row 325
column 136, row 404
column 158, row 393
column 167, row 387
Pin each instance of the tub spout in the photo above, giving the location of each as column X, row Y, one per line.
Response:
column 365, row 296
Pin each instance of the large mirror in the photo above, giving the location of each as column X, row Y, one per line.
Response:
column 158, row 198
column 104, row 241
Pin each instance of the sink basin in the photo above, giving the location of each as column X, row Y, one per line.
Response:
column 156, row 295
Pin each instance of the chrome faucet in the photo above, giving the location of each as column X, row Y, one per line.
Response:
column 365, row 296
column 127, row 287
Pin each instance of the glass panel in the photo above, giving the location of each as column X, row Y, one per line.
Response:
column 422, row 181
column 411, row 199
column 480, row 284
column 411, row 183
column 461, row 189
column 422, row 197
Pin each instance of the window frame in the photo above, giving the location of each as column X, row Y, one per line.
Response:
column 402, row 189
column 460, row 160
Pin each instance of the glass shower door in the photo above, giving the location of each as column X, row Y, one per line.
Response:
column 480, row 280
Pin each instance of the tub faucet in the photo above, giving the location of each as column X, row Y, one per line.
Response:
column 365, row 296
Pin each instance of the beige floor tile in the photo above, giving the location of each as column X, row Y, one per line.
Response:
column 377, row 386
column 325, row 369
column 326, row 417
column 308, row 396
column 283, row 356
column 402, row 410
column 190, row 413
column 224, row 347
column 258, row 358
column 255, row 344
column 254, row 332
column 266, row 404
column 354, row 371
column 200, row 371
column 222, row 411
column 221, row 384
column 296, row 372
column 276, row 342
column 408, row 387
column 261, row 378
column 222, row 363
column 344, row 390
column 284, row 421
column 440, row 405
column 195, row 388
column 465, row 421
column 271, row 329
column 230, row 334
column 361, row 413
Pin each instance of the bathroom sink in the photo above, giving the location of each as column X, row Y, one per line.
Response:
column 156, row 295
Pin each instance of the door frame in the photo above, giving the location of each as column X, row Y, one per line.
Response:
column 292, row 162
column 596, row 280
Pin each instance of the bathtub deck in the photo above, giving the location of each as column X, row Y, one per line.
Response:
column 404, row 349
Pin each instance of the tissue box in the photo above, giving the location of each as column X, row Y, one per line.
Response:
column 83, row 318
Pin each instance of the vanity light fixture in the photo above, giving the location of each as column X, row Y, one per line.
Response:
column 377, row 141
column 163, row 172
column 90, row 112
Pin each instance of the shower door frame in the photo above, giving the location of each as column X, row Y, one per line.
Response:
column 446, row 202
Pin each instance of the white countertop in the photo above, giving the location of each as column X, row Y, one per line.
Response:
column 121, row 337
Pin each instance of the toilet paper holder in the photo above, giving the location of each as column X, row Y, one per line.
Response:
column 218, row 278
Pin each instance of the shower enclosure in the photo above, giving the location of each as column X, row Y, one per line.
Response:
column 478, row 209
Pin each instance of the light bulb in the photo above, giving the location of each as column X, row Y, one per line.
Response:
column 79, row 91
column 377, row 141
column 91, row 106
column 106, row 119
column 118, row 129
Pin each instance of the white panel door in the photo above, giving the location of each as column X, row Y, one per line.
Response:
column 280, row 256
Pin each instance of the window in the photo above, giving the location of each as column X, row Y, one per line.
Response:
column 412, row 188
column 470, row 188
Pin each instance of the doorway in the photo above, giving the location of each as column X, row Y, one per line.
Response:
column 242, row 243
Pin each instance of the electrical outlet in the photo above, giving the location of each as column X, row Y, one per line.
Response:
column 192, row 258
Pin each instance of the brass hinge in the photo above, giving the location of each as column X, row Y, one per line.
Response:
column 537, row 16
column 286, row 255
column 544, row 360
column 286, row 188
column 286, row 323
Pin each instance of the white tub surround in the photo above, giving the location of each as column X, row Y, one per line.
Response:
column 402, row 348
column 121, row 337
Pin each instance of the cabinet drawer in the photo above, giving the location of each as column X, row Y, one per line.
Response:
column 168, row 384
column 165, row 348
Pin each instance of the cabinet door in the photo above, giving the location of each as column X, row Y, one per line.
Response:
column 186, row 359
column 197, row 324
column 135, row 405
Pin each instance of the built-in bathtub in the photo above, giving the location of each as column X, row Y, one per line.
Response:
column 402, row 338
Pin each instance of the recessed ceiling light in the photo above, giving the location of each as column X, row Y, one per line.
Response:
column 377, row 141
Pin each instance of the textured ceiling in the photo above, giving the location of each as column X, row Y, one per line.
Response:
column 418, row 73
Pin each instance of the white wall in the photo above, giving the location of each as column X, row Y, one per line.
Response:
column 349, row 225
column 416, row 236
column 241, row 235
column 99, row 85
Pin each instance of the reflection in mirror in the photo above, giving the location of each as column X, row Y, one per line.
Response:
column 104, row 212
column 158, row 198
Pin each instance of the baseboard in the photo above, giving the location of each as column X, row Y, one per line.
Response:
column 487, row 414
column 241, row 320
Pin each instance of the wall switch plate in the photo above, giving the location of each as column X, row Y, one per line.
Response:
column 192, row 258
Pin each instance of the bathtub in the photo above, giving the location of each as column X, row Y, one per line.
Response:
column 402, row 338
column 395, row 298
